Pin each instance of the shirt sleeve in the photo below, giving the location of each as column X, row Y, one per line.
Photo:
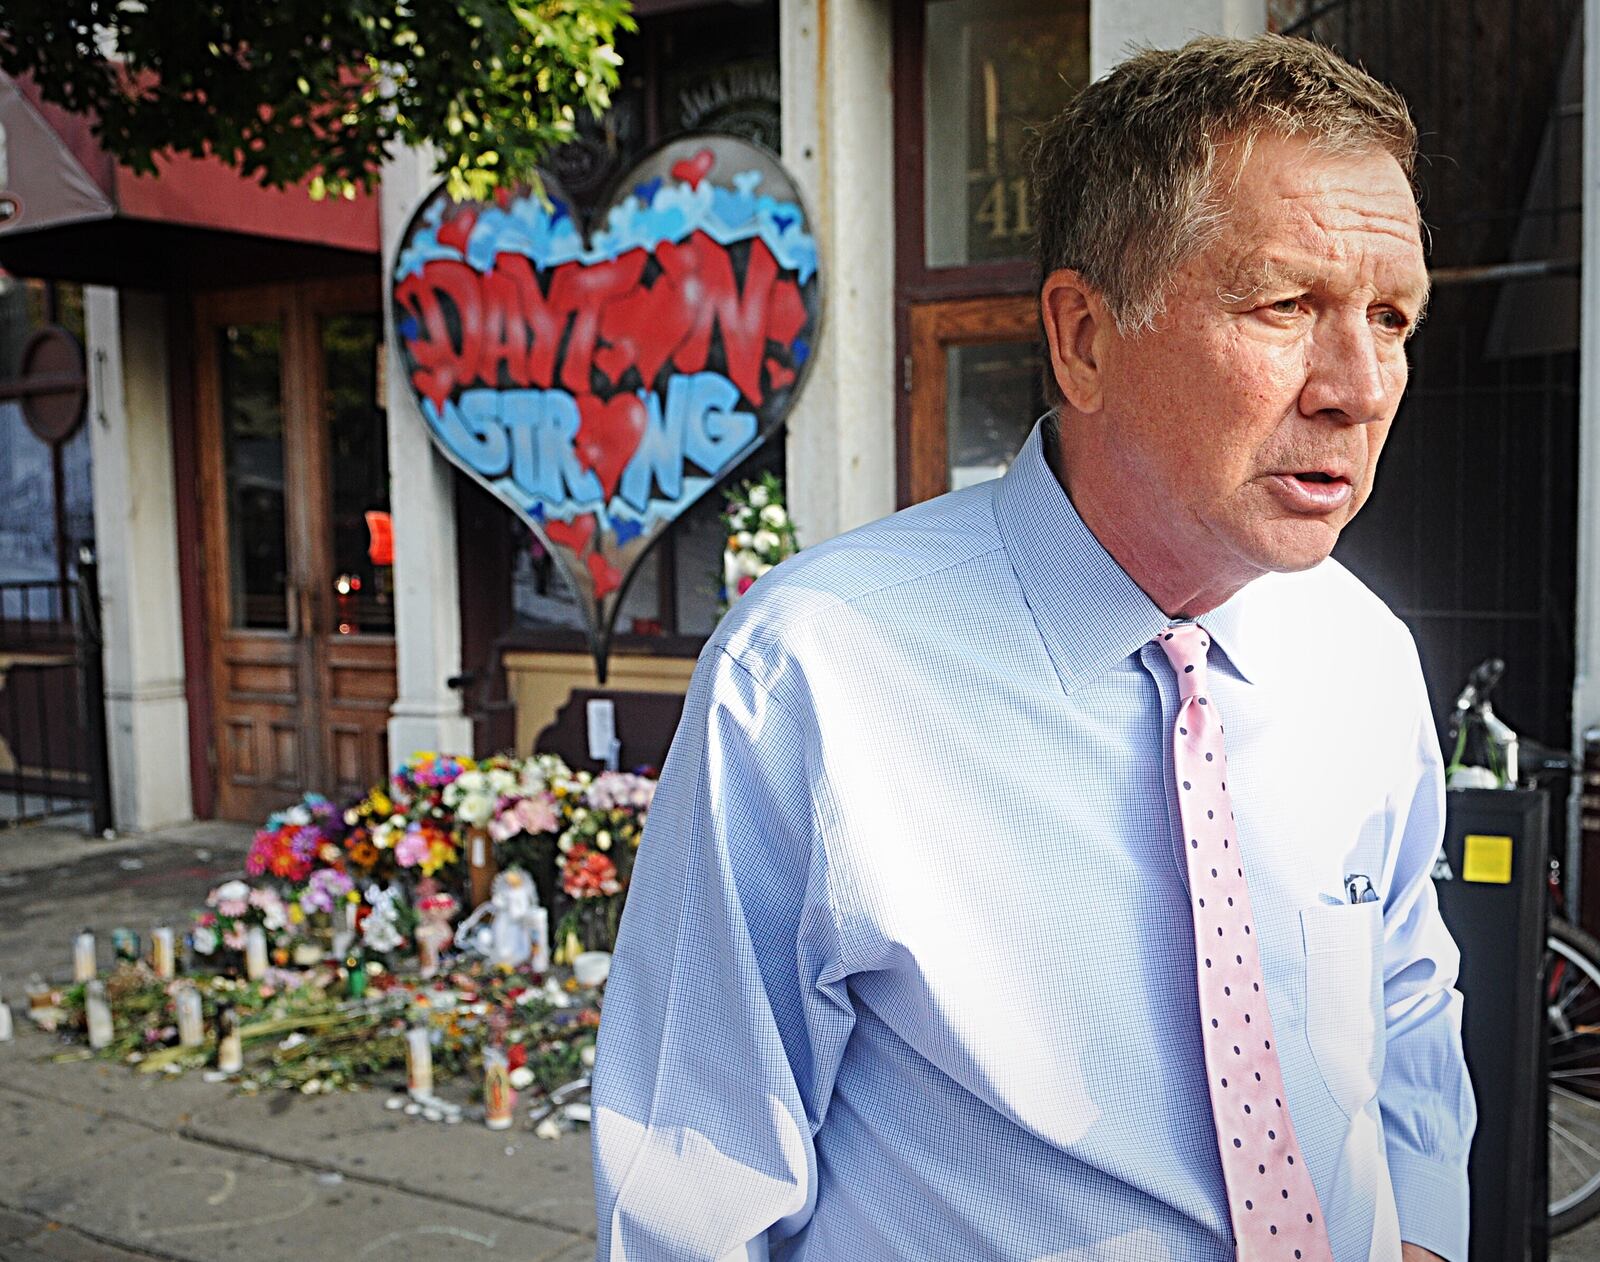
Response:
column 726, row 1013
column 1428, row 1109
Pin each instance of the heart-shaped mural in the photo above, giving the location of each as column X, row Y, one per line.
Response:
column 601, row 383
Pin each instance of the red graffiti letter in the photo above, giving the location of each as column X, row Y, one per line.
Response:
column 442, row 365
column 703, row 274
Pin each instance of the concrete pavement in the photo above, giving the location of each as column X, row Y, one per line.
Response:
column 101, row 1164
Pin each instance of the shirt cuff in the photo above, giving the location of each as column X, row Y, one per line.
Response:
column 1431, row 1197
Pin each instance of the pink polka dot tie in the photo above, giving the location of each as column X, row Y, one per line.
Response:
column 1270, row 1197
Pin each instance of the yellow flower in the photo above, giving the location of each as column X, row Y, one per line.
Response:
column 296, row 916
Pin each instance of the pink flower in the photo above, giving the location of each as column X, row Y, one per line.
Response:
column 232, row 907
column 746, row 581
column 412, row 850
column 536, row 814
column 234, row 938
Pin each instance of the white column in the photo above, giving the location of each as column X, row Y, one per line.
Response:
column 1586, row 676
column 426, row 712
column 837, row 142
column 136, row 534
column 1117, row 27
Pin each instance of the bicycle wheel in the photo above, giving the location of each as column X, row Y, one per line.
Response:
column 1572, row 1024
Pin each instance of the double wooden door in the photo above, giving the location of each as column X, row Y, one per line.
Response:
column 297, row 549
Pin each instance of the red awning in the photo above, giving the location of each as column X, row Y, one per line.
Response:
column 69, row 211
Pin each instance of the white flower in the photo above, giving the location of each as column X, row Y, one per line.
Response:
column 587, row 1056
column 501, row 781
column 298, row 816
column 231, row 892
column 476, row 808
column 743, row 539
column 603, row 839
column 739, row 519
column 749, row 563
column 564, row 842
column 758, row 497
column 204, row 939
column 521, row 1077
column 773, row 515
column 762, row 569
column 766, row 541
column 548, row 1129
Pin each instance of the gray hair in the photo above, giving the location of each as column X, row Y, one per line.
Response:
column 1125, row 179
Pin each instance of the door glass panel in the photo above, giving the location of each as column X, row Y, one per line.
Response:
column 993, row 395
column 252, row 441
column 358, row 448
column 992, row 71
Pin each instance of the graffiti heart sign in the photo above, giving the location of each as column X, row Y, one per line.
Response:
column 600, row 382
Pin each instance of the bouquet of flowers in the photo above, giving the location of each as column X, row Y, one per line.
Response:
column 603, row 823
column 759, row 533
column 477, row 794
column 231, row 909
column 298, row 841
column 529, row 816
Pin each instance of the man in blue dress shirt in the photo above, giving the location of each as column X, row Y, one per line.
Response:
column 908, row 968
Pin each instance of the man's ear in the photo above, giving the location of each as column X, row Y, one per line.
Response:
column 1074, row 318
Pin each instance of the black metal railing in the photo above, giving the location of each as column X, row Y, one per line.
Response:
column 53, row 759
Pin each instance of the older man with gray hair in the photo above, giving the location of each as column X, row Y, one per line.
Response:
column 1044, row 871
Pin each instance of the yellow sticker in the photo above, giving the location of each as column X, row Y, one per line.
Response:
column 1486, row 859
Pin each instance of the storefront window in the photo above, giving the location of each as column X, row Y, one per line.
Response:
column 252, row 437
column 39, row 536
column 358, row 442
column 992, row 71
column 993, row 397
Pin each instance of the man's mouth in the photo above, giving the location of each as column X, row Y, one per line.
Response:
column 1312, row 491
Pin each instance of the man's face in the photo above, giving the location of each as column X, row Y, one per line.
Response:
column 1247, row 424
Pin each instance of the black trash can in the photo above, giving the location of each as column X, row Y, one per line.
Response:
column 1492, row 882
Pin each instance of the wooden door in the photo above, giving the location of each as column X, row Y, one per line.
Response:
column 975, row 390
column 295, row 497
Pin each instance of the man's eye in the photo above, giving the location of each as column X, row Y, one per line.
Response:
column 1392, row 320
column 1285, row 306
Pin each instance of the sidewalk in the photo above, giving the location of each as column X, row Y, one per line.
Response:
column 103, row 1164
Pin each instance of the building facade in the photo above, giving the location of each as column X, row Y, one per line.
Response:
column 298, row 588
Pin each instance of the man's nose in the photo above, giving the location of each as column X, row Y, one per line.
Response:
column 1350, row 378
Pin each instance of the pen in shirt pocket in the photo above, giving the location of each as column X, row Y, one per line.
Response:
column 1358, row 889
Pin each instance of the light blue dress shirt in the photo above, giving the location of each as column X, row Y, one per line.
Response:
column 907, row 966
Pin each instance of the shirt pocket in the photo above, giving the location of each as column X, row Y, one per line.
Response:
column 1344, row 999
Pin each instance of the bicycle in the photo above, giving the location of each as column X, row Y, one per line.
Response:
column 1487, row 753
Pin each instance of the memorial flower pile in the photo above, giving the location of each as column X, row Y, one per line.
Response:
column 357, row 904
column 759, row 533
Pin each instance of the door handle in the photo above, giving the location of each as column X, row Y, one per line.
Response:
column 291, row 598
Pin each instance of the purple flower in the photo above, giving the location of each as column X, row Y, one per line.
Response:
column 325, row 890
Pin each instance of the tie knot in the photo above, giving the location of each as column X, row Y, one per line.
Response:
column 1185, row 646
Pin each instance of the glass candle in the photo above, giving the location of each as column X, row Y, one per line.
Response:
column 191, row 1018
column 163, row 952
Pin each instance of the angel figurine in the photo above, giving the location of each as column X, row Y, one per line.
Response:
column 519, row 932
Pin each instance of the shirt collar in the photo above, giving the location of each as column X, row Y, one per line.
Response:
column 1090, row 613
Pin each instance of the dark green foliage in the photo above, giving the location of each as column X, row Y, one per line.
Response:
column 286, row 89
